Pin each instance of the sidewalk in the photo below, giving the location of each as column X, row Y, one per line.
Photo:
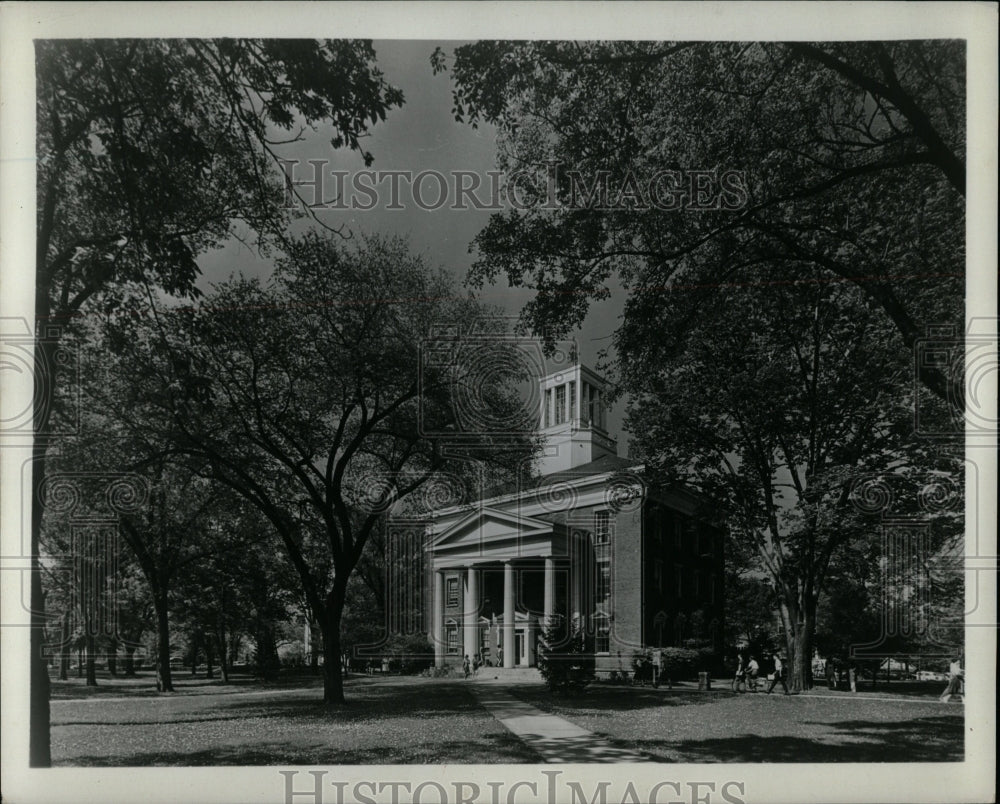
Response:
column 554, row 738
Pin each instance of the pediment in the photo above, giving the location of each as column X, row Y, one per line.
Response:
column 488, row 525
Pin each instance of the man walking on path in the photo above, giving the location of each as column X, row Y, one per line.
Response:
column 779, row 675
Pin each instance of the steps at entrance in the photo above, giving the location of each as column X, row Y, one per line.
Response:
column 511, row 675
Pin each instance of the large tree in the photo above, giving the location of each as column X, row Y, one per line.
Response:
column 151, row 151
column 681, row 162
column 776, row 399
column 323, row 396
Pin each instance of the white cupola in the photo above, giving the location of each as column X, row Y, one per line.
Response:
column 572, row 420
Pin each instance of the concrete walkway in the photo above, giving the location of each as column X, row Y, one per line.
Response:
column 553, row 737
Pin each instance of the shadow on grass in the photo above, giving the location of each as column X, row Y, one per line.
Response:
column 925, row 739
column 491, row 749
column 388, row 700
column 143, row 685
column 617, row 699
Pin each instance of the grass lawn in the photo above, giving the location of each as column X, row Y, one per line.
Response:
column 386, row 721
column 717, row 726
column 402, row 720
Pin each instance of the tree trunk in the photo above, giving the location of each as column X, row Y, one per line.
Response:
column 195, row 644
column 223, row 657
column 79, row 662
column 164, row 680
column 798, row 632
column 267, row 653
column 64, row 653
column 129, row 660
column 39, row 749
column 91, row 668
column 333, row 677
column 113, row 657
column 314, row 648
column 209, row 658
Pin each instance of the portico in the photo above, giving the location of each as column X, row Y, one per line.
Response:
column 487, row 571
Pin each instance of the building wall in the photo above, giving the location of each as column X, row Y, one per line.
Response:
column 666, row 575
column 627, row 583
column 684, row 578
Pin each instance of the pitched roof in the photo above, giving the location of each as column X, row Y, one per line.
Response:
column 602, row 466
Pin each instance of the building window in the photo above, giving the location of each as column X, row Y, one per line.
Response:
column 560, row 404
column 452, row 632
column 602, row 632
column 584, row 403
column 592, row 400
column 678, row 533
column 572, row 400
column 548, row 407
column 658, row 575
column 602, row 527
column 453, row 591
column 679, row 580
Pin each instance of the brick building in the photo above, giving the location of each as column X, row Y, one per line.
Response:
column 585, row 542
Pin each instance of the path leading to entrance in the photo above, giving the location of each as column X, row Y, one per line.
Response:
column 553, row 737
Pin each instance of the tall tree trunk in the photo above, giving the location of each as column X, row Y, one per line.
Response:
column 195, row 643
column 39, row 749
column 209, row 657
column 79, row 662
column 129, row 660
column 315, row 637
column 329, row 620
column 64, row 653
column 164, row 680
column 223, row 656
column 333, row 677
column 798, row 626
column 91, row 664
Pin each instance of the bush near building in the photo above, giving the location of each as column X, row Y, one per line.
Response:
column 567, row 665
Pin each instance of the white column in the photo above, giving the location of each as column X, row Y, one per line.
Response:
column 509, row 647
column 470, row 605
column 550, row 592
column 437, row 627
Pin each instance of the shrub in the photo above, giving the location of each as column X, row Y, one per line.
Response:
column 410, row 655
column 680, row 663
column 567, row 665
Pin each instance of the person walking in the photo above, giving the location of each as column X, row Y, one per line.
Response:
column 956, row 678
column 740, row 679
column 831, row 673
column 752, row 670
column 466, row 668
column 779, row 675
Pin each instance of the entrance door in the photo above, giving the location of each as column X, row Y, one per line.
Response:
column 518, row 657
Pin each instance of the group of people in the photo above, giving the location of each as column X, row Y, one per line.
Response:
column 747, row 671
column 470, row 667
